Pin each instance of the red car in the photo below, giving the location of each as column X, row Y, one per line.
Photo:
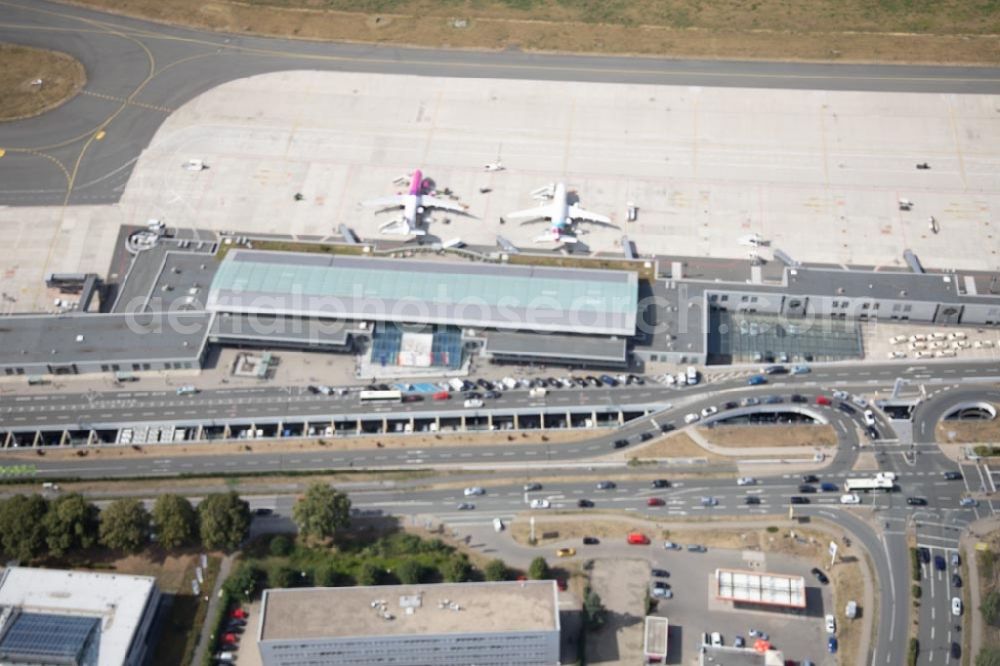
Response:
column 638, row 539
column 442, row 395
column 239, row 614
column 822, row 400
column 655, row 501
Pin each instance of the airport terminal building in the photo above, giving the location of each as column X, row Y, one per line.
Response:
column 180, row 298
column 446, row 624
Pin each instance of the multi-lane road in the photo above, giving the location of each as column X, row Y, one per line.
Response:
column 139, row 72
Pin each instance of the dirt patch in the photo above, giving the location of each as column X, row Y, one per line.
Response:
column 968, row 432
column 621, row 585
column 33, row 81
column 735, row 436
column 951, row 31
column 364, row 442
column 678, row 445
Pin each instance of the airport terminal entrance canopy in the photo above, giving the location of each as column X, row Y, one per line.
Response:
column 526, row 298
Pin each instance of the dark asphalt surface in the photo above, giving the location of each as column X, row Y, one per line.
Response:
column 139, row 72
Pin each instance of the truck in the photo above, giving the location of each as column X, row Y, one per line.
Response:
column 866, row 484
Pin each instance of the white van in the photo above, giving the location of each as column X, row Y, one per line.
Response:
column 456, row 384
column 537, row 392
column 509, row 383
column 691, row 375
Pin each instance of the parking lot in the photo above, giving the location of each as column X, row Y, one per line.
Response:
column 694, row 609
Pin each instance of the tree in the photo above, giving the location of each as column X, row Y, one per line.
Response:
column 280, row 546
column 22, row 526
column 369, row 574
column 244, row 582
column 988, row 656
column 224, row 521
column 538, row 569
column 990, row 608
column 410, row 572
column 125, row 525
column 175, row 520
column 70, row 523
column 594, row 612
column 327, row 576
column 495, row 570
column 282, row 576
column 456, row 569
column 322, row 511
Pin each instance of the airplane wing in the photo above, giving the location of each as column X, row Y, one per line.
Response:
column 529, row 214
column 442, row 204
column 384, row 202
column 577, row 213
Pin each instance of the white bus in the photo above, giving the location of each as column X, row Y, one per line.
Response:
column 381, row 396
column 876, row 483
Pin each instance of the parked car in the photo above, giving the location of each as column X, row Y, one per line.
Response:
column 590, row 541
column 671, row 545
column 831, row 624
column 820, row 576
column 956, row 580
column 956, row 650
column 661, row 590
column 739, row 642
column 566, row 552
column 925, row 554
column 955, row 559
column 637, row 539
column 716, row 639
column 659, row 573
column 956, row 606
column 697, row 548
column 831, row 645
column 939, row 563
column 755, row 633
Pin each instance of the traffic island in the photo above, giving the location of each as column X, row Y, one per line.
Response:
column 33, row 81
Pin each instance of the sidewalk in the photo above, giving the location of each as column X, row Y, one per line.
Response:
column 967, row 545
column 205, row 640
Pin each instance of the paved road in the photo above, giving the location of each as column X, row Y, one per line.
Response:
column 126, row 407
column 139, row 72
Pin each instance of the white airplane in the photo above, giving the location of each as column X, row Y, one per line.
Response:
column 414, row 204
column 559, row 212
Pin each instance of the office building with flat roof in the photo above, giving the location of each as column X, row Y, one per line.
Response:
column 447, row 624
column 83, row 618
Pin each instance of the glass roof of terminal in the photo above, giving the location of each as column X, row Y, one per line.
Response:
column 393, row 280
